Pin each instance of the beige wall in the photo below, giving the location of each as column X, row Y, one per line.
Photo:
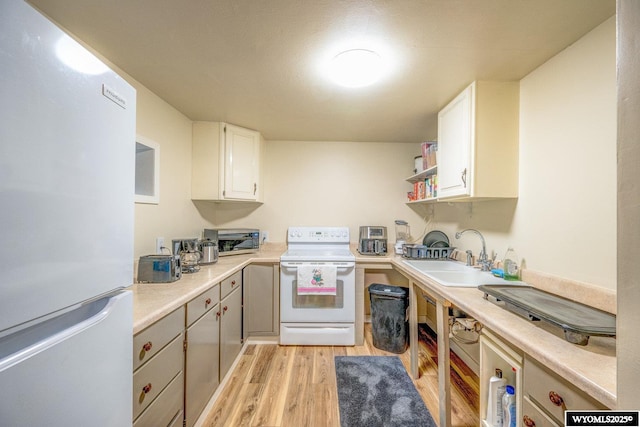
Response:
column 329, row 184
column 175, row 215
column 564, row 221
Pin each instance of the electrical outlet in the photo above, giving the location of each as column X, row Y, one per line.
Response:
column 265, row 237
column 159, row 244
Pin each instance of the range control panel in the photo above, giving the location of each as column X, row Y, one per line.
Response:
column 318, row 234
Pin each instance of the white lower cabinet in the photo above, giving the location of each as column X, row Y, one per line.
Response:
column 496, row 354
column 550, row 394
column 202, row 352
column 532, row 416
column 158, row 384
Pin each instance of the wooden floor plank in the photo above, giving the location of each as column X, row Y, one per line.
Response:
column 273, row 400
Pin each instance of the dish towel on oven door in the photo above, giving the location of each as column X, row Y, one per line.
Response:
column 317, row 279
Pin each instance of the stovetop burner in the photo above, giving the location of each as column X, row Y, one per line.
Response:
column 579, row 321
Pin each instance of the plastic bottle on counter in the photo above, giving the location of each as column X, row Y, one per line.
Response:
column 509, row 407
column 510, row 265
column 497, row 386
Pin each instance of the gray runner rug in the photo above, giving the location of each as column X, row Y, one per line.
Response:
column 376, row 391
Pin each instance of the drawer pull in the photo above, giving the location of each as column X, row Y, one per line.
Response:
column 528, row 422
column 207, row 302
column 557, row 400
column 146, row 389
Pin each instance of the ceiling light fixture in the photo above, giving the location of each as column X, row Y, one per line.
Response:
column 356, row 68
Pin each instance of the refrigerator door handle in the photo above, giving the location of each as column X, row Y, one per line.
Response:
column 32, row 340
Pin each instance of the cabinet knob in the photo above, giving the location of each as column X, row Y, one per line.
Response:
column 528, row 422
column 557, row 400
column 218, row 314
column 147, row 346
column 225, row 308
column 207, row 302
column 233, row 283
column 146, row 389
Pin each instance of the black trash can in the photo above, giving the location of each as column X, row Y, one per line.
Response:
column 389, row 317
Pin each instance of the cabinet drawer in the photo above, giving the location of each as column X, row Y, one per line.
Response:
column 202, row 303
column 534, row 417
column 167, row 408
column 153, row 377
column 230, row 283
column 553, row 393
column 155, row 337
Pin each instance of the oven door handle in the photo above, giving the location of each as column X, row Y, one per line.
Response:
column 294, row 265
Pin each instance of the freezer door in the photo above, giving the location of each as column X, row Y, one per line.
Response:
column 67, row 165
column 73, row 370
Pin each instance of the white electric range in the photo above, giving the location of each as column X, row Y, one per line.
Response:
column 317, row 287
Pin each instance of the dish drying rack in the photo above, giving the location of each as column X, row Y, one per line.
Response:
column 424, row 252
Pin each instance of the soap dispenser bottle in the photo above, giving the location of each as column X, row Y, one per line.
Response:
column 510, row 265
column 497, row 386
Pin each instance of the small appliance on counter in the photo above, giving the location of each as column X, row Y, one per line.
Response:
column 189, row 254
column 403, row 235
column 209, row 250
column 233, row 241
column 159, row 269
column 373, row 240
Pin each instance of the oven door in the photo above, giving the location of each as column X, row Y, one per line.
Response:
column 339, row 308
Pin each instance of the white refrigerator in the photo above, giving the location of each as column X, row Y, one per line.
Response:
column 67, row 159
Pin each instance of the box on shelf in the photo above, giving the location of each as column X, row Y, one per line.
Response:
column 429, row 149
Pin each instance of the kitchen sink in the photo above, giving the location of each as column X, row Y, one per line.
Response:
column 437, row 265
column 451, row 273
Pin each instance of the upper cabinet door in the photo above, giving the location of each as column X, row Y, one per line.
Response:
column 478, row 143
column 455, row 132
column 226, row 163
column 241, row 163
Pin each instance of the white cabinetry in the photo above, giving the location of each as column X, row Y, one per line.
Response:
column 547, row 396
column 203, row 349
column 158, row 362
column 495, row 354
column 226, row 163
column 230, row 321
column 261, row 288
column 478, row 143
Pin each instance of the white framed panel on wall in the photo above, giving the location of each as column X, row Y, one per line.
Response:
column 147, row 171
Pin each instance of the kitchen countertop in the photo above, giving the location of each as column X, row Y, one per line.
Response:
column 153, row 301
column 591, row 368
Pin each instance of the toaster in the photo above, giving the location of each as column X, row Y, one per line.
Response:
column 373, row 240
column 159, row 268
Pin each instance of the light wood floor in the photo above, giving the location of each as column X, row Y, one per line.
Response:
column 294, row 386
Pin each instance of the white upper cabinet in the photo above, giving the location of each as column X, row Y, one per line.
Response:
column 478, row 143
column 226, row 163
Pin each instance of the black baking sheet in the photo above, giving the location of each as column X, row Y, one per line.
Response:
column 570, row 315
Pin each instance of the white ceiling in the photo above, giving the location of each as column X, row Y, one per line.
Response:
column 254, row 63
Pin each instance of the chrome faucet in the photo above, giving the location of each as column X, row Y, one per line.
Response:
column 483, row 259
